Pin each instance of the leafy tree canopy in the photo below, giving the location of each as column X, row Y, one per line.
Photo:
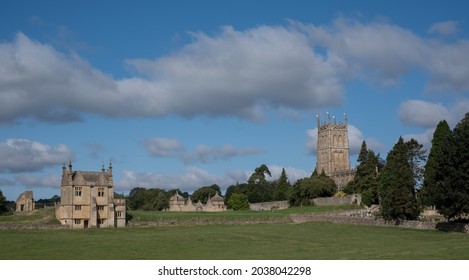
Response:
column 304, row 190
column 238, row 201
column 202, row 194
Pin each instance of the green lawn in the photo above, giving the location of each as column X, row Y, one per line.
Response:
column 278, row 216
column 255, row 241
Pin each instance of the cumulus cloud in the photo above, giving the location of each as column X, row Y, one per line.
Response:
column 236, row 73
column 377, row 50
column 293, row 173
column 206, row 154
column 240, row 70
column 189, row 180
column 193, row 178
column 164, row 147
column 427, row 114
column 21, row 155
column 421, row 113
column 383, row 52
column 445, row 28
column 47, row 181
column 424, row 138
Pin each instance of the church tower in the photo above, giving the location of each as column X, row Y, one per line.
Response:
column 333, row 150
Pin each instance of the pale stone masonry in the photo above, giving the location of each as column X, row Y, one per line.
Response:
column 333, row 151
column 87, row 199
column 25, row 202
column 177, row 203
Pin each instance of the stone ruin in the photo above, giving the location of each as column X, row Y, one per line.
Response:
column 25, row 202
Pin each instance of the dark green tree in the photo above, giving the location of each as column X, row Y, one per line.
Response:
column 148, row 199
column 3, row 204
column 452, row 185
column 366, row 178
column 136, row 198
column 282, row 187
column 202, row 194
column 435, row 164
column 306, row 189
column 397, row 189
column 156, row 200
column 259, row 190
column 238, row 201
column 238, row 188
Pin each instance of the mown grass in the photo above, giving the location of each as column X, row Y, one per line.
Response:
column 255, row 241
column 229, row 216
column 44, row 215
column 275, row 239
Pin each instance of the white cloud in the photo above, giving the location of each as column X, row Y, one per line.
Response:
column 427, row 114
column 421, row 113
column 164, row 147
column 189, row 180
column 424, row 138
column 445, row 28
column 376, row 50
column 193, row 178
column 48, row 181
column 240, row 70
column 293, row 173
column 207, row 154
column 21, row 155
column 383, row 52
column 236, row 73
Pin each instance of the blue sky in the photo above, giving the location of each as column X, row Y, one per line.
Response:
column 183, row 94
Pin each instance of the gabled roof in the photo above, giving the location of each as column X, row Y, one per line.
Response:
column 91, row 178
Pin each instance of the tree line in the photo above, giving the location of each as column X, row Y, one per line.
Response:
column 408, row 180
column 402, row 184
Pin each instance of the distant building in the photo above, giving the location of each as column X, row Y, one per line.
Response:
column 25, row 202
column 333, row 151
column 177, row 203
column 87, row 199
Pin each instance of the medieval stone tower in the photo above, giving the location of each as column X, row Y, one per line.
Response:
column 333, row 151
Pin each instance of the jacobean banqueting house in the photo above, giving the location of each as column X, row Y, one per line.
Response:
column 87, row 199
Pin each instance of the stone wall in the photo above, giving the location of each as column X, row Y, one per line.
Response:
column 272, row 205
column 344, row 200
column 347, row 217
column 13, row 226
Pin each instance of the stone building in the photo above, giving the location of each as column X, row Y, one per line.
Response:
column 333, row 151
column 25, row 202
column 177, row 203
column 87, row 199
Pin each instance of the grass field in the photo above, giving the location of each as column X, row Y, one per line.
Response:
column 256, row 241
column 279, row 216
column 249, row 241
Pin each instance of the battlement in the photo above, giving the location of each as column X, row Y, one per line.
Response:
column 333, row 149
column 332, row 124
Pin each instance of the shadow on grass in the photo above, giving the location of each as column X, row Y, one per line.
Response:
column 453, row 226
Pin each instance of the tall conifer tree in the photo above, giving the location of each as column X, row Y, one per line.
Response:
column 435, row 164
column 452, row 186
column 397, row 189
